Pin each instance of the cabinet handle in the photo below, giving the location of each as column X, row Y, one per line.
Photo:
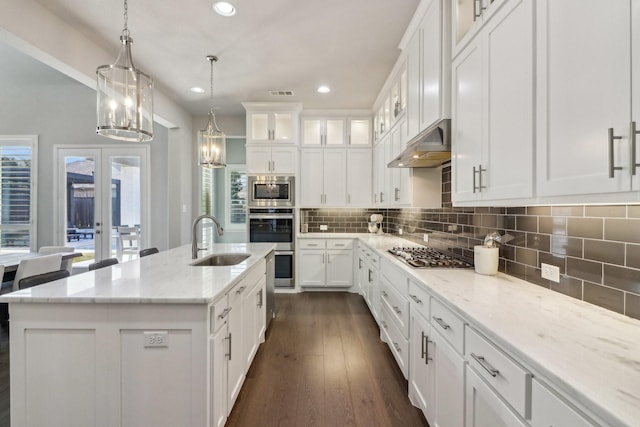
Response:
column 328, row 259
column 360, row 264
column 349, row 198
column 395, row 344
column 441, row 322
column 349, row 139
column 480, row 186
column 612, row 167
column 370, row 279
column 396, row 309
column 375, row 197
column 339, row 244
column 241, row 290
column 487, row 367
column 312, row 244
column 633, row 132
column 416, row 299
column 474, row 168
column 381, row 197
column 323, row 258
column 384, row 294
column 224, row 313
column 384, row 324
column 260, row 299
column 229, row 345
column 425, row 348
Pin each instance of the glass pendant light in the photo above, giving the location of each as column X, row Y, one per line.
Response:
column 212, row 142
column 125, row 96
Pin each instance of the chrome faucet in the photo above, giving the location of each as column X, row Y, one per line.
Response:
column 194, row 234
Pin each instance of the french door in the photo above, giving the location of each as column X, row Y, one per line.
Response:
column 102, row 196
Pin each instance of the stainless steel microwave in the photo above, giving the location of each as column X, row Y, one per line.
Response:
column 270, row 190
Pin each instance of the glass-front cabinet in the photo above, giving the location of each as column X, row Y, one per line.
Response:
column 272, row 123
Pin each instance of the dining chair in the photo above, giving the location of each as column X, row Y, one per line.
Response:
column 104, row 263
column 38, row 265
column 67, row 264
column 148, row 251
column 38, row 279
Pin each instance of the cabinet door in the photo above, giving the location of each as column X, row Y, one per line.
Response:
column 431, row 91
column 311, row 177
column 547, row 409
column 249, row 333
column 379, row 172
column 258, row 160
column 508, row 149
column 311, row 268
column 484, row 408
column 261, row 308
column 260, row 129
column 284, row 160
column 219, row 349
column 467, row 117
column 422, row 364
column 635, row 67
column 237, row 364
column 339, row 268
column 449, row 384
column 283, row 127
column 359, row 132
column 334, row 132
column 414, row 77
column 583, row 88
column 311, row 131
column 335, row 177
column 359, row 177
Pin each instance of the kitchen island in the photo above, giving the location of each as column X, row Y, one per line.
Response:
column 155, row 341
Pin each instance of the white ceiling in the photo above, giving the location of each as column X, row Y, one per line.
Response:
column 350, row 45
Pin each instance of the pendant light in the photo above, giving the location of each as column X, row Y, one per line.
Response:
column 212, row 142
column 125, row 96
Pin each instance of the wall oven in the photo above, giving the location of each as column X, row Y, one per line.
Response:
column 276, row 225
column 271, row 190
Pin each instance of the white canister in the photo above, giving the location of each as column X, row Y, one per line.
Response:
column 485, row 260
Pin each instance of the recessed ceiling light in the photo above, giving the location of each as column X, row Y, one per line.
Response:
column 324, row 89
column 223, row 8
column 197, row 89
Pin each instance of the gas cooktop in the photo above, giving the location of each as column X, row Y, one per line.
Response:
column 423, row 257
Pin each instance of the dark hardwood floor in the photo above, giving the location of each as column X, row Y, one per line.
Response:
column 4, row 375
column 323, row 364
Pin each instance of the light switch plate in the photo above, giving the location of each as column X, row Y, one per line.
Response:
column 550, row 272
column 324, row 227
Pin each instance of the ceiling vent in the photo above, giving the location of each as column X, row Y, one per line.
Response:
column 281, row 92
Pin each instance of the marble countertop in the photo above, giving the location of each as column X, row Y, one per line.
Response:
column 166, row 277
column 589, row 353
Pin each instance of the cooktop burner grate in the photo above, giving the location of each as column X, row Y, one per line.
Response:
column 424, row 257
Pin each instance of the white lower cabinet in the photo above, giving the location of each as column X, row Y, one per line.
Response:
column 421, row 362
column 254, row 319
column 483, row 406
column 448, row 384
column 219, row 350
column 325, row 263
column 549, row 409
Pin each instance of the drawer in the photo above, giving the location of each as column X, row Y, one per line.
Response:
column 448, row 324
column 311, row 243
column 395, row 276
column 218, row 315
column 398, row 344
column 339, row 244
column 547, row 409
column 419, row 298
column 398, row 306
column 504, row 374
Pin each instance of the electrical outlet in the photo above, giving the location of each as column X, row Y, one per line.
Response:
column 324, row 227
column 425, row 237
column 550, row 272
column 155, row 339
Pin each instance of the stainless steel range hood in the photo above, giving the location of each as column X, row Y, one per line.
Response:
column 429, row 149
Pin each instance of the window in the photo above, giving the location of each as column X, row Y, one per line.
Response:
column 207, row 184
column 18, row 170
column 236, row 196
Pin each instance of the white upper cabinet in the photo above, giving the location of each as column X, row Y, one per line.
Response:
column 492, row 110
column 470, row 16
column 359, row 177
column 586, row 73
column 428, row 67
column 272, row 159
column 359, row 132
column 323, row 131
column 323, row 177
column 272, row 122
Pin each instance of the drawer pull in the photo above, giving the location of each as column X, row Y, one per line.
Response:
column 312, row 244
column 224, row 313
column 384, row 324
column 490, row 369
column 397, row 347
column 416, row 299
column 339, row 244
column 384, row 294
column 396, row 309
column 241, row 290
column 441, row 322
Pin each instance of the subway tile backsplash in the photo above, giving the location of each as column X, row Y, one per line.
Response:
column 597, row 248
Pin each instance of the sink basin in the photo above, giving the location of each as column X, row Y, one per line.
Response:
column 220, row 260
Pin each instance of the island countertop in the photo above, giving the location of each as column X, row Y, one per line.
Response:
column 166, row 277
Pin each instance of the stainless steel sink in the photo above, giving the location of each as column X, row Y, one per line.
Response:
column 220, row 260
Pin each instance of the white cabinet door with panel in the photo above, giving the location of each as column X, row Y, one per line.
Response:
column 271, row 160
column 272, row 126
column 323, row 177
column 323, row 131
column 339, row 268
column 359, row 132
column 549, row 409
column 219, row 349
column 311, row 267
column 575, row 152
column 449, row 384
column 492, row 132
column 335, row 177
column 422, row 363
column 379, row 172
column 325, row 262
column 359, row 177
